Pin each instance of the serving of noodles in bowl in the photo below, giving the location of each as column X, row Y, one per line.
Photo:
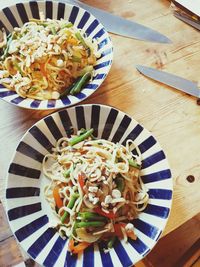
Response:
column 51, row 60
column 88, row 185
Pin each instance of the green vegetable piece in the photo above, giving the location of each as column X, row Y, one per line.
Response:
column 70, row 206
column 89, row 224
column 120, row 183
column 76, row 59
column 80, row 38
column 16, row 65
column 112, row 241
column 68, row 25
column 80, row 83
column 66, row 173
column 80, row 138
column 87, row 216
column 88, row 68
column 134, row 164
column 32, row 90
column 53, row 30
column 9, row 40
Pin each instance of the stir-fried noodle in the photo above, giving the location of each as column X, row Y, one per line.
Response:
column 95, row 189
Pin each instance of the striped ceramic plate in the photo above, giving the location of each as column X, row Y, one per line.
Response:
column 17, row 15
column 29, row 213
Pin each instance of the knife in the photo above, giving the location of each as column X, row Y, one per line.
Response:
column 124, row 27
column 190, row 21
column 172, row 80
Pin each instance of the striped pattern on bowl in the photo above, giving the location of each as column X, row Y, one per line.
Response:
column 17, row 15
column 29, row 213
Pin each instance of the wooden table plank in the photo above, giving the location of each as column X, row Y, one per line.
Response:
column 171, row 116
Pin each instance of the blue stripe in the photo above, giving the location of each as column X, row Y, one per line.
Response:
column 88, row 257
column 51, row 103
column 7, row 93
column 138, row 245
column 80, row 117
column 73, row 15
column 103, row 43
column 134, row 134
column 23, row 211
column 99, row 33
column 122, row 255
column 109, row 123
column 22, row 12
column 66, row 122
column 146, row 228
column 158, row 156
column 66, row 101
column 35, row 103
column 70, row 260
column 148, row 143
column 8, row 13
column 92, row 26
column 31, row 228
column 156, row 176
column 49, row 9
column 30, row 152
column 83, row 20
column 91, row 86
column 105, row 257
column 34, row 9
column 41, row 242
column 55, row 252
column 160, row 194
column 53, row 128
column 17, row 192
column 145, row 145
column 95, row 119
column 121, row 129
column 41, row 138
column 80, row 95
column 106, row 52
column 158, row 211
column 24, row 171
column 99, row 76
column 102, row 65
column 61, row 11
column 17, row 100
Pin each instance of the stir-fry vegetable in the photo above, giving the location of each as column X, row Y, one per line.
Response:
column 81, row 137
column 99, row 187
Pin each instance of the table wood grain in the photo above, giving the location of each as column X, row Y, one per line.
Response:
column 171, row 116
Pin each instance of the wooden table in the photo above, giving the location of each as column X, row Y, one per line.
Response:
column 172, row 117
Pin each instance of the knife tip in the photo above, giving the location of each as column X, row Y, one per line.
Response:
column 138, row 67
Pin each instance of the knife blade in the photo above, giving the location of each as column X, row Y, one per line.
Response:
column 120, row 26
column 169, row 79
column 187, row 20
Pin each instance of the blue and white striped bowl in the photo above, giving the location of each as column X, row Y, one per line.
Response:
column 17, row 15
column 29, row 213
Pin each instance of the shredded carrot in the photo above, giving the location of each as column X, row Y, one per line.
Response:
column 72, row 41
column 131, row 234
column 71, row 245
column 57, row 198
column 81, row 180
column 119, row 233
column 42, row 68
column 78, row 248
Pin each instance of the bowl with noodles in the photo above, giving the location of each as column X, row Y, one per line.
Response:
column 88, row 185
column 52, row 54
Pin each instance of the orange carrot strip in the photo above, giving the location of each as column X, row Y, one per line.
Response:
column 57, row 198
